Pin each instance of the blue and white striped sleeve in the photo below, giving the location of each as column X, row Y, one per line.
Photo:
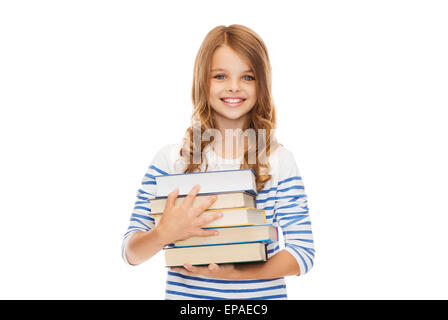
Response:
column 291, row 213
column 140, row 219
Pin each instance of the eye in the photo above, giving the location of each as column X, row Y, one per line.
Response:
column 246, row 77
column 252, row 78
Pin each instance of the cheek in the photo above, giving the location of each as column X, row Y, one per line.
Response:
column 252, row 91
column 214, row 94
column 216, row 89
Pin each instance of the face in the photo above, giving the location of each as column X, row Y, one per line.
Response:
column 232, row 88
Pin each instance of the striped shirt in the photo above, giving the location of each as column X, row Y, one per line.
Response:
column 284, row 200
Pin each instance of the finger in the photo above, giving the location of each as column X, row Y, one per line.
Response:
column 191, row 268
column 204, row 206
column 171, row 199
column 206, row 233
column 213, row 267
column 188, row 201
column 204, row 220
column 181, row 270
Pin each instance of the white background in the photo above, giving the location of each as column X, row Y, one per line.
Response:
column 90, row 90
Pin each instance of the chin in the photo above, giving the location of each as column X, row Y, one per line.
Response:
column 236, row 114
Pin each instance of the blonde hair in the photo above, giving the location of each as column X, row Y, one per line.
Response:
column 262, row 116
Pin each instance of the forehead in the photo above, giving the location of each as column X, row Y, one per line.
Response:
column 228, row 60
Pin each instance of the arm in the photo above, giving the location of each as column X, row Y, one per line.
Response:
column 141, row 225
column 143, row 245
column 291, row 212
column 280, row 265
column 177, row 223
column 141, row 242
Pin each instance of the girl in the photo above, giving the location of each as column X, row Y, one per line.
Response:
column 231, row 93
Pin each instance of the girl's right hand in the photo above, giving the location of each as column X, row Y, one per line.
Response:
column 179, row 223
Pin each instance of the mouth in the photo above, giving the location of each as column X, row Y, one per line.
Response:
column 233, row 102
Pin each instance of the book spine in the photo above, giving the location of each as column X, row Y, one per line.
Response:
column 266, row 251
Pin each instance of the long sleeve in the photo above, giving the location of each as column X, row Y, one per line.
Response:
column 140, row 219
column 291, row 213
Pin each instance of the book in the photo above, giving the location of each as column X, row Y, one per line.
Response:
column 243, row 232
column 210, row 182
column 258, row 233
column 224, row 201
column 204, row 255
column 231, row 217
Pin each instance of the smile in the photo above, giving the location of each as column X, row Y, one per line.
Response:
column 233, row 102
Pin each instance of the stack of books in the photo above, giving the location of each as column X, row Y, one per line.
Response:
column 242, row 230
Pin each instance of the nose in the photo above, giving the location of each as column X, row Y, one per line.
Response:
column 233, row 86
column 233, row 89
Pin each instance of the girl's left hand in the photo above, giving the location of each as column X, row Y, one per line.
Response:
column 224, row 271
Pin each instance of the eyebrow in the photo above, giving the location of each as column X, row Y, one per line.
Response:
column 220, row 69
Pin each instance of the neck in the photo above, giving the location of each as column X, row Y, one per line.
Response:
column 230, row 145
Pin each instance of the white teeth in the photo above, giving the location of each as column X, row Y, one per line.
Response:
column 232, row 100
